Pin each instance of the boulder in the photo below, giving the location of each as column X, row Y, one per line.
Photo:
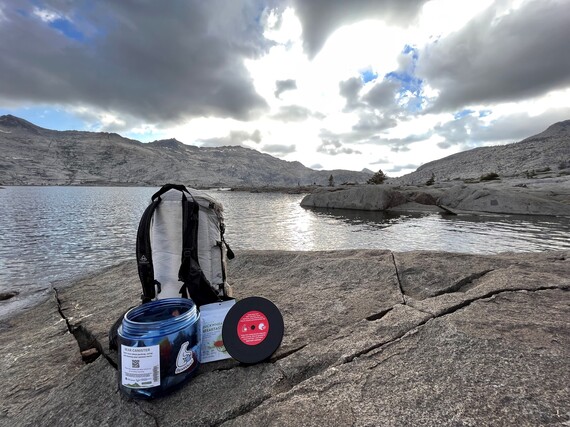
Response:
column 371, row 338
column 500, row 200
column 367, row 198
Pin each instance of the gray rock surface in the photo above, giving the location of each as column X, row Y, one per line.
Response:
column 371, row 338
column 509, row 200
column 366, row 198
column 551, row 198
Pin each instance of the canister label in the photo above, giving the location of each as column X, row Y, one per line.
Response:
column 140, row 366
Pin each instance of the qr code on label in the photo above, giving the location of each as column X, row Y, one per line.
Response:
column 136, row 363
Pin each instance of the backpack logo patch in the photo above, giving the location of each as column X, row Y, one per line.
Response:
column 143, row 260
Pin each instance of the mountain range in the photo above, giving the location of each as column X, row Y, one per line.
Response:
column 32, row 155
column 546, row 151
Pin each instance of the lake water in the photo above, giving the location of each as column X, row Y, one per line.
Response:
column 52, row 234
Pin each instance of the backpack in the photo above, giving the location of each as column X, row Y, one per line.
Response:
column 180, row 249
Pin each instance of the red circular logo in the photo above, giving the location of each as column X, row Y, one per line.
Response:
column 252, row 328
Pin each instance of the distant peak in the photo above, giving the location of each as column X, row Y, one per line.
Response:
column 557, row 130
column 563, row 125
column 13, row 122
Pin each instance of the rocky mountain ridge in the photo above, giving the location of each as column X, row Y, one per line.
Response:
column 32, row 155
column 546, row 151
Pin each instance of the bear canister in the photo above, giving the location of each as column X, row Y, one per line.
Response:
column 159, row 347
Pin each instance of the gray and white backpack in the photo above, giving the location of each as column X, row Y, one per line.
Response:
column 181, row 250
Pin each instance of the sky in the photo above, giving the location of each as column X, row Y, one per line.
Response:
column 334, row 84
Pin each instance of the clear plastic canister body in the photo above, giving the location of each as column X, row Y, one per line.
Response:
column 159, row 347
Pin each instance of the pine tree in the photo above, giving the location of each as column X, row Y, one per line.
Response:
column 378, row 178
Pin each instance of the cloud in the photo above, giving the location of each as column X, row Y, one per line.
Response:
column 279, row 149
column 320, row 18
column 381, row 161
column 493, row 59
column 371, row 123
column 399, row 149
column 284, row 85
column 383, row 95
column 334, row 147
column 157, row 64
column 383, row 103
column 473, row 130
column 400, row 168
column 295, row 113
column 234, row 138
column 350, row 90
column 316, row 166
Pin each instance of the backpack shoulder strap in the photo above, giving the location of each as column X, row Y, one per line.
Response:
column 144, row 253
column 195, row 284
column 144, row 250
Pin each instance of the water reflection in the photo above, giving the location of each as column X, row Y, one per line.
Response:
column 463, row 233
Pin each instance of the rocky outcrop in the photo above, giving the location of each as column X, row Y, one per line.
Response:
column 549, row 151
column 367, row 198
column 32, row 155
column 371, row 338
column 505, row 197
column 513, row 200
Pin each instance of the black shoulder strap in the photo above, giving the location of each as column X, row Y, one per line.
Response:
column 195, row 284
column 144, row 253
column 144, row 250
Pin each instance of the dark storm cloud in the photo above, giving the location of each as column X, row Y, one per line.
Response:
column 334, row 147
column 320, row 18
column 157, row 63
column 284, row 85
column 234, row 138
column 523, row 54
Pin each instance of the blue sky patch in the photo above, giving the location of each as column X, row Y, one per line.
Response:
column 47, row 117
column 67, row 29
column 462, row 113
column 409, row 82
column 368, row 75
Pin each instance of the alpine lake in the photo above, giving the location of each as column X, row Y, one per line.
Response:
column 51, row 235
